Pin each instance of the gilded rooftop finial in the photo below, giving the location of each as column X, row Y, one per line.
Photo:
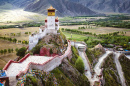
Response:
column 51, row 8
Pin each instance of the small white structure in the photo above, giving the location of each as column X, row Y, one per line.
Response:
column 51, row 26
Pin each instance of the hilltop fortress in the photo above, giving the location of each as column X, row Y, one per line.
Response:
column 51, row 26
column 15, row 69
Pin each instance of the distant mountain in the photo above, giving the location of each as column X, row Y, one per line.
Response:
column 125, row 7
column 121, row 6
column 21, row 3
column 63, row 7
column 73, row 7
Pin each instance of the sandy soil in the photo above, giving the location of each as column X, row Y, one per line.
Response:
column 6, row 44
column 2, row 63
column 5, row 58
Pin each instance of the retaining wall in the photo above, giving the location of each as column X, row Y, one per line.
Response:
column 46, row 66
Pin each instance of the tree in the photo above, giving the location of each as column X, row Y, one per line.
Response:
column 10, row 39
column 29, row 32
column 21, row 52
column 23, row 42
column 16, row 49
column 9, row 50
column 1, row 51
column 5, row 51
column 12, row 50
column 14, row 34
column 26, row 32
column 26, row 42
column 19, row 41
column 36, row 49
column 14, row 40
column 79, row 65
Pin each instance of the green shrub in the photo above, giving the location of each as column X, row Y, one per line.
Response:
column 74, row 51
column 61, row 78
column 74, row 55
column 79, row 65
column 21, row 52
column 32, row 79
column 63, row 36
column 36, row 49
column 51, row 52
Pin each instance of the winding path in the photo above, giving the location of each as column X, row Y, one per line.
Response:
column 119, row 68
column 128, row 56
column 97, row 67
column 87, row 67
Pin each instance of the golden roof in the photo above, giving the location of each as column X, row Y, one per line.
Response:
column 57, row 18
column 51, row 8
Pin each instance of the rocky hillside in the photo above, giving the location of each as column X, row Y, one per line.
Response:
column 94, row 53
column 73, row 7
column 50, row 45
column 125, row 63
column 121, row 6
column 110, row 74
column 67, row 74
column 63, row 7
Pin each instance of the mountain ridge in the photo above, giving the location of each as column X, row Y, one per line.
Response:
column 73, row 7
column 119, row 6
column 64, row 8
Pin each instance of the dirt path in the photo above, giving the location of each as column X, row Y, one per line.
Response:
column 97, row 67
column 119, row 68
column 128, row 56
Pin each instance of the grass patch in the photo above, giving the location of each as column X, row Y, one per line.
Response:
column 61, row 78
column 110, row 73
column 125, row 63
column 78, row 37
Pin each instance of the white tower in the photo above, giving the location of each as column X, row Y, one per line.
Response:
column 51, row 21
column 51, row 26
column 51, row 18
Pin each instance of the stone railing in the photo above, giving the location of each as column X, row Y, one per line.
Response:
column 11, row 61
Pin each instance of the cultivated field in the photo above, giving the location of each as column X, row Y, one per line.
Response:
column 4, row 44
column 79, row 37
column 99, row 30
column 9, row 56
column 4, row 32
